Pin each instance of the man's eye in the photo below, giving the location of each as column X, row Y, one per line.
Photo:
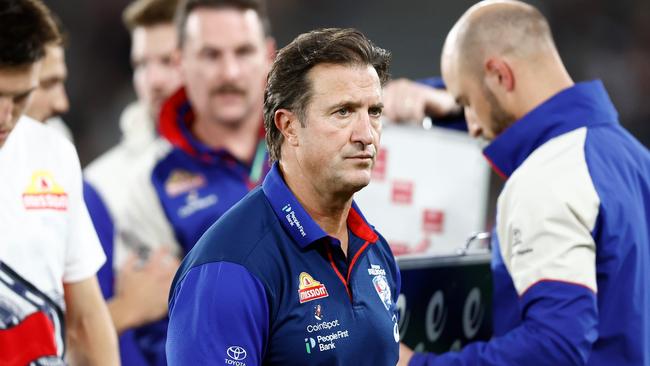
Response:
column 375, row 112
column 343, row 112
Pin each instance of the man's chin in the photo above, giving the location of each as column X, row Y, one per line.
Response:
column 359, row 181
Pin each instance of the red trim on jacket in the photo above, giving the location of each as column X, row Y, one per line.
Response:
column 168, row 124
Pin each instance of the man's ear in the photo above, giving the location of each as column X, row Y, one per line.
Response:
column 287, row 123
column 499, row 77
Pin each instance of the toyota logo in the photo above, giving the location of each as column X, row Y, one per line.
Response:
column 236, row 353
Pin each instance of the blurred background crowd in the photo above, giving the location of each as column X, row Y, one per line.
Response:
column 602, row 39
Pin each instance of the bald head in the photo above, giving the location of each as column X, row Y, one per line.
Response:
column 499, row 62
column 501, row 27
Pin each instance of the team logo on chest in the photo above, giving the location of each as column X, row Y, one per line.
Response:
column 380, row 283
column 181, row 181
column 44, row 193
column 309, row 289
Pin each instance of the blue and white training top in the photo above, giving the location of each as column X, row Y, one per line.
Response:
column 266, row 285
column 571, row 254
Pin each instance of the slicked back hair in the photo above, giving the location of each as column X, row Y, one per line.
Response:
column 186, row 7
column 288, row 84
column 26, row 27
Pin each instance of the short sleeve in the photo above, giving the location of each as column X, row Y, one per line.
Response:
column 217, row 312
column 84, row 255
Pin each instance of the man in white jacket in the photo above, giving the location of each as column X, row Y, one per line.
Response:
column 155, row 77
column 137, row 294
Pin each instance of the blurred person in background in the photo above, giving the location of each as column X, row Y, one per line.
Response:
column 50, row 100
column 137, row 287
column 154, row 56
column 49, row 296
column 211, row 151
column 411, row 101
column 142, row 292
column 571, row 253
column 293, row 274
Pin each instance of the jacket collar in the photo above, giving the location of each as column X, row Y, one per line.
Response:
column 585, row 104
column 297, row 222
column 176, row 119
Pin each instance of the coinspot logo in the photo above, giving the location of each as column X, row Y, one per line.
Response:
column 236, row 353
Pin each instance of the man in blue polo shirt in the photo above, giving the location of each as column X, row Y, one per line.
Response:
column 571, row 250
column 293, row 274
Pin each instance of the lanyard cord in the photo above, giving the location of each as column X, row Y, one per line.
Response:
column 257, row 167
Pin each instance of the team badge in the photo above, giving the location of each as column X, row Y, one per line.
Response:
column 318, row 312
column 181, row 181
column 380, row 283
column 309, row 289
column 44, row 193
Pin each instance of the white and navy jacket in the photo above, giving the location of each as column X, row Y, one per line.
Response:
column 571, row 254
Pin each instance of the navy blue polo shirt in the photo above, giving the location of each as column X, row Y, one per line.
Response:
column 266, row 284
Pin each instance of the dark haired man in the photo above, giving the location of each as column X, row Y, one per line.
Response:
column 571, row 254
column 293, row 274
column 49, row 253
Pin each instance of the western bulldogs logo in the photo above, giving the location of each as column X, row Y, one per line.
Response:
column 383, row 290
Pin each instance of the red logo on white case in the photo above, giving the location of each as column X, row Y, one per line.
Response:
column 433, row 221
column 402, row 192
column 381, row 165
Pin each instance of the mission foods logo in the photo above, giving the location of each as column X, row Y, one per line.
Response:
column 44, row 193
column 310, row 289
column 181, row 181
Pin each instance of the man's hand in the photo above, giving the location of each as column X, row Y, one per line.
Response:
column 405, row 354
column 141, row 290
column 408, row 101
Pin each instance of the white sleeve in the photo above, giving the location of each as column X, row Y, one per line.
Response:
column 84, row 254
column 546, row 215
column 142, row 219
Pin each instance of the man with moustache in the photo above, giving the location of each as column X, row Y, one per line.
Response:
column 571, row 254
column 293, row 274
column 211, row 150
